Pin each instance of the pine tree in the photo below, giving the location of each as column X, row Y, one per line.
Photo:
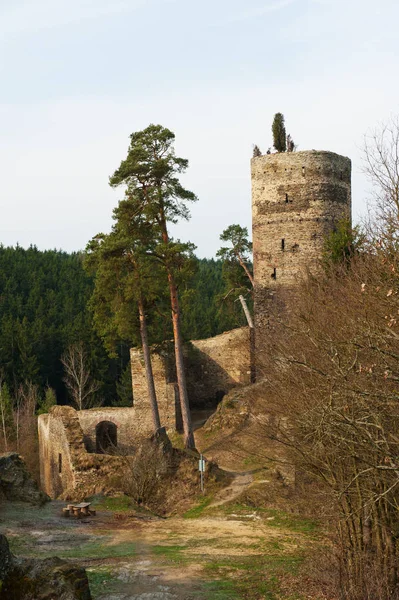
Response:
column 49, row 400
column 127, row 281
column 237, row 272
column 150, row 172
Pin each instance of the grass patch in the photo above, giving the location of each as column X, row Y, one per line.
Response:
column 172, row 553
column 252, row 577
column 113, row 504
column 219, row 590
column 100, row 550
column 101, row 580
column 272, row 517
column 22, row 545
column 196, row 511
column 285, row 520
column 176, row 439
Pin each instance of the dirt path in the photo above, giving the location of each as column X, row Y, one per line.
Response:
column 240, row 482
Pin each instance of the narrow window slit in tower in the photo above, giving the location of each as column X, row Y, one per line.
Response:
column 60, row 463
column 341, row 176
column 303, row 171
column 273, row 275
column 286, row 198
column 283, row 244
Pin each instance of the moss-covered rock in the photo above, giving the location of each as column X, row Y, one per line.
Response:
column 48, row 579
column 16, row 482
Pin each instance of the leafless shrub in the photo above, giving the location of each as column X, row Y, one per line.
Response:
column 331, row 390
column 381, row 165
column 145, row 472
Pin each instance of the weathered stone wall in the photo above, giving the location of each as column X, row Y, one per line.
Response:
column 165, row 387
column 297, row 198
column 222, row 362
column 213, row 367
column 128, row 430
column 56, row 474
column 67, row 470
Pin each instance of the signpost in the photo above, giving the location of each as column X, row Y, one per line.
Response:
column 201, row 467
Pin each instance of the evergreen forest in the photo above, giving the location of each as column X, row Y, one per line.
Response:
column 44, row 309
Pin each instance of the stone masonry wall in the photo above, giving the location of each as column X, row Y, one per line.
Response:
column 223, row 362
column 166, row 391
column 128, row 432
column 67, row 470
column 213, row 367
column 56, row 474
column 297, row 198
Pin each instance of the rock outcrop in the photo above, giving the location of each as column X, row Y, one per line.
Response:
column 34, row 579
column 16, row 482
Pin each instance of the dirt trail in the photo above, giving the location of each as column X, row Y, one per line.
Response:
column 240, row 482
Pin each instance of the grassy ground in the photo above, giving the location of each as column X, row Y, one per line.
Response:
column 214, row 553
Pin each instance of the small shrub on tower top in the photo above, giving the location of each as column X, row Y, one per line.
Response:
column 279, row 133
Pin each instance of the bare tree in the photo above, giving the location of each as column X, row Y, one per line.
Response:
column 381, row 165
column 77, row 377
column 332, row 369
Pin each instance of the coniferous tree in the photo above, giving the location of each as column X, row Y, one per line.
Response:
column 127, row 281
column 279, row 134
column 237, row 272
column 150, row 172
column 239, row 249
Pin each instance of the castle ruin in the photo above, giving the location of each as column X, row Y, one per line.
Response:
column 297, row 199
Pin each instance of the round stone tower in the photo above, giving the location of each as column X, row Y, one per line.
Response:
column 297, row 199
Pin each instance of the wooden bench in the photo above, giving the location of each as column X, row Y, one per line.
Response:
column 78, row 510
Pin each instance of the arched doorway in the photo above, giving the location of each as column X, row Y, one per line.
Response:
column 106, row 437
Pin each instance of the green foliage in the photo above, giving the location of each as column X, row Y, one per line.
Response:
column 43, row 310
column 126, row 274
column 150, row 170
column 6, row 405
column 279, row 134
column 49, row 400
column 237, row 268
column 124, row 387
column 204, row 313
column 240, row 247
column 342, row 244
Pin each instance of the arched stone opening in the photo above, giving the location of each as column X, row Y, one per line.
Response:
column 106, row 437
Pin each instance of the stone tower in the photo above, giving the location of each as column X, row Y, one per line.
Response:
column 297, row 198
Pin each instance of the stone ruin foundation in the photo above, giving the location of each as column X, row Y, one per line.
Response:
column 75, row 447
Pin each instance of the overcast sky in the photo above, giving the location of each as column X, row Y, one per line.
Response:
column 78, row 76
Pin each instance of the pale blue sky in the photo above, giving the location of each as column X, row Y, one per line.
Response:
column 78, row 76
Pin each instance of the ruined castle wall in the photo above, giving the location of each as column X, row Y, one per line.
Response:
column 56, row 471
column 222, row 362
column 123, row 418
column 77, row 474
column 165, row 387
column 297, row 199
column 213, row 367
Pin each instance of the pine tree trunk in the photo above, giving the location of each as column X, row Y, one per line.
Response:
column 181, row 376
column 148, row 368
column 178, row 340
